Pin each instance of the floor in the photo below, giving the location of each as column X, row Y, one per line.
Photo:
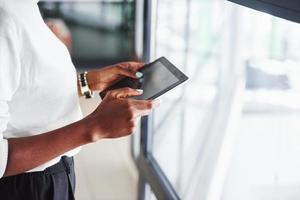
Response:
column 105, row 170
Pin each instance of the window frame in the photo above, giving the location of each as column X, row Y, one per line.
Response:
column 150, row 173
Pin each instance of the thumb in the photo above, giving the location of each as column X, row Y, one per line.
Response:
column 129, row 73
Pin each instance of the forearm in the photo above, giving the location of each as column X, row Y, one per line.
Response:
column 29, row 152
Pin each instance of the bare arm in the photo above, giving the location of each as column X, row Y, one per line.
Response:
column 29, row 152
column 115, row 117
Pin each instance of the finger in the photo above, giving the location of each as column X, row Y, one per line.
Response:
column 141, row 113
column 128, row 73
column 134, row 66
column 124, row 92
column 146, row 104
column 143, row 107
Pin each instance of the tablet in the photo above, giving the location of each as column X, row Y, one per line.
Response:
column 159, row 77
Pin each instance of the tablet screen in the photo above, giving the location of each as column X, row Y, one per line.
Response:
column 158, row 78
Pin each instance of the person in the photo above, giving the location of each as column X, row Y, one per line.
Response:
column 41, row 125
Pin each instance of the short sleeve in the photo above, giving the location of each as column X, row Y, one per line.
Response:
column 9, row 79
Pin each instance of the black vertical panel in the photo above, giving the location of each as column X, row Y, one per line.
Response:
column 145, row 121
column 287, row 9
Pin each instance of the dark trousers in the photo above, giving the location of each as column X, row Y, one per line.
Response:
column 54, row 183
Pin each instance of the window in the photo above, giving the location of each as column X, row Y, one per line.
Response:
column 187, row 33
column 231, row 132
column 266, row 157
column 190, row 126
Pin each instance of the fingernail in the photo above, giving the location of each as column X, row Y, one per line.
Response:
column 139, row 74
column 140, row 91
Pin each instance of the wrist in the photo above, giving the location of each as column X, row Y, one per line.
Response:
column 92, row 129
column 84, row 85
column 91, row 80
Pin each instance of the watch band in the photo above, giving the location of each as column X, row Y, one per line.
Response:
column 84, row 87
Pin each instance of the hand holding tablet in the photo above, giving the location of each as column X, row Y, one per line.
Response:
column 158, row 77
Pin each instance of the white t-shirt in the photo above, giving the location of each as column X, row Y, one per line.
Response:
column 38, row 82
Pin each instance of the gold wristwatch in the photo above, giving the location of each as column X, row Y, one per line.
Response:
column 84, row 87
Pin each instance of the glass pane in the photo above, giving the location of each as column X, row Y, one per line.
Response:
column 266, row 160
column 191, row 40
